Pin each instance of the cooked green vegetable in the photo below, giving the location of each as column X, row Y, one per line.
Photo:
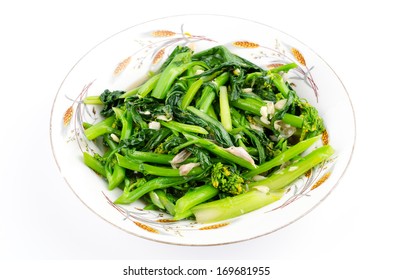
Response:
column 281, row 178
column 193, row 197
column 283, row 157
column 261, row 192
column 145, row 187
column 225, row 179
column 195, row 138
column 231, row 207
column 103, row 127
column 152, row 169
column 179, row 64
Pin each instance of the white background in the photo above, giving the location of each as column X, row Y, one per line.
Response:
column 41, row 218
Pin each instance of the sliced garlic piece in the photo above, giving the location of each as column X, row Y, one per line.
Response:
column 263, row 112
column 247, row 90
column 115, row 138
column 242, row 153
column 285, row 129
column 263, row 189
column 265, row 120
column 154, row 125
column 186, row 168
column 179, row 158
column 280, row 104
column 163, row 118
column 270, row 108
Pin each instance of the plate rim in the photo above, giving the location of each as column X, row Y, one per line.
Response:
column 333, row 187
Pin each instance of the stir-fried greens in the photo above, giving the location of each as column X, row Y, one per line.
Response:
column 209, row 136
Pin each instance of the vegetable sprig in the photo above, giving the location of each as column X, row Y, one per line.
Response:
column 207, row 136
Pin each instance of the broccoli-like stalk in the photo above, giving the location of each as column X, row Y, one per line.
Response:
column 226, row 180
column 313, row 123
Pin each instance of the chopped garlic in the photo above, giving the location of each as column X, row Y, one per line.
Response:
column 293, row 168
column 280, row 104
column 154, row 125
column 267, row 112
column 285, row 129
column 241, row 152
column 247, row 90
column 179, row 158
column 186, row 168
column 258, row 178
column 236, row 72
column 256, row 127
column 277, row 125
column 270, row 108
column 163, row 118
column 265, row 120
column 262, row 189
column 263, row 111
column 145, row 113
column 199, row 71
column 115, row 138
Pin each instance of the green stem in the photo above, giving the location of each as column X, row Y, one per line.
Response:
column 184, row 145
column 182, row 127
column 220, row 132
column 282, row 157
column 92, row 100
column 116, row 177
column 137, row 118
column 154, row 184
column 86, row 125
column 156, row 200
column 183, row 215
column 148, row 86
column 279, row 82
column 254, row 106
column 207, row 98
column 211, row 113
column 94, row 164
column 293, row 120
column 283, row 68
column 194, row 197
column 232, row 207
column 284, row 177
column 130, row 93
column 151, row 157
column 126, row 122
column 180, row 63
column 221, row 152
column 225, row 113
column 111, row 144
column 189, row 96
column 248, row 104
column 166, row 202
column 210, row 91
column 101, row 128
column 154, row 170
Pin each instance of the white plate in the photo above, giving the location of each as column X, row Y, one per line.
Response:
column 125, row 58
